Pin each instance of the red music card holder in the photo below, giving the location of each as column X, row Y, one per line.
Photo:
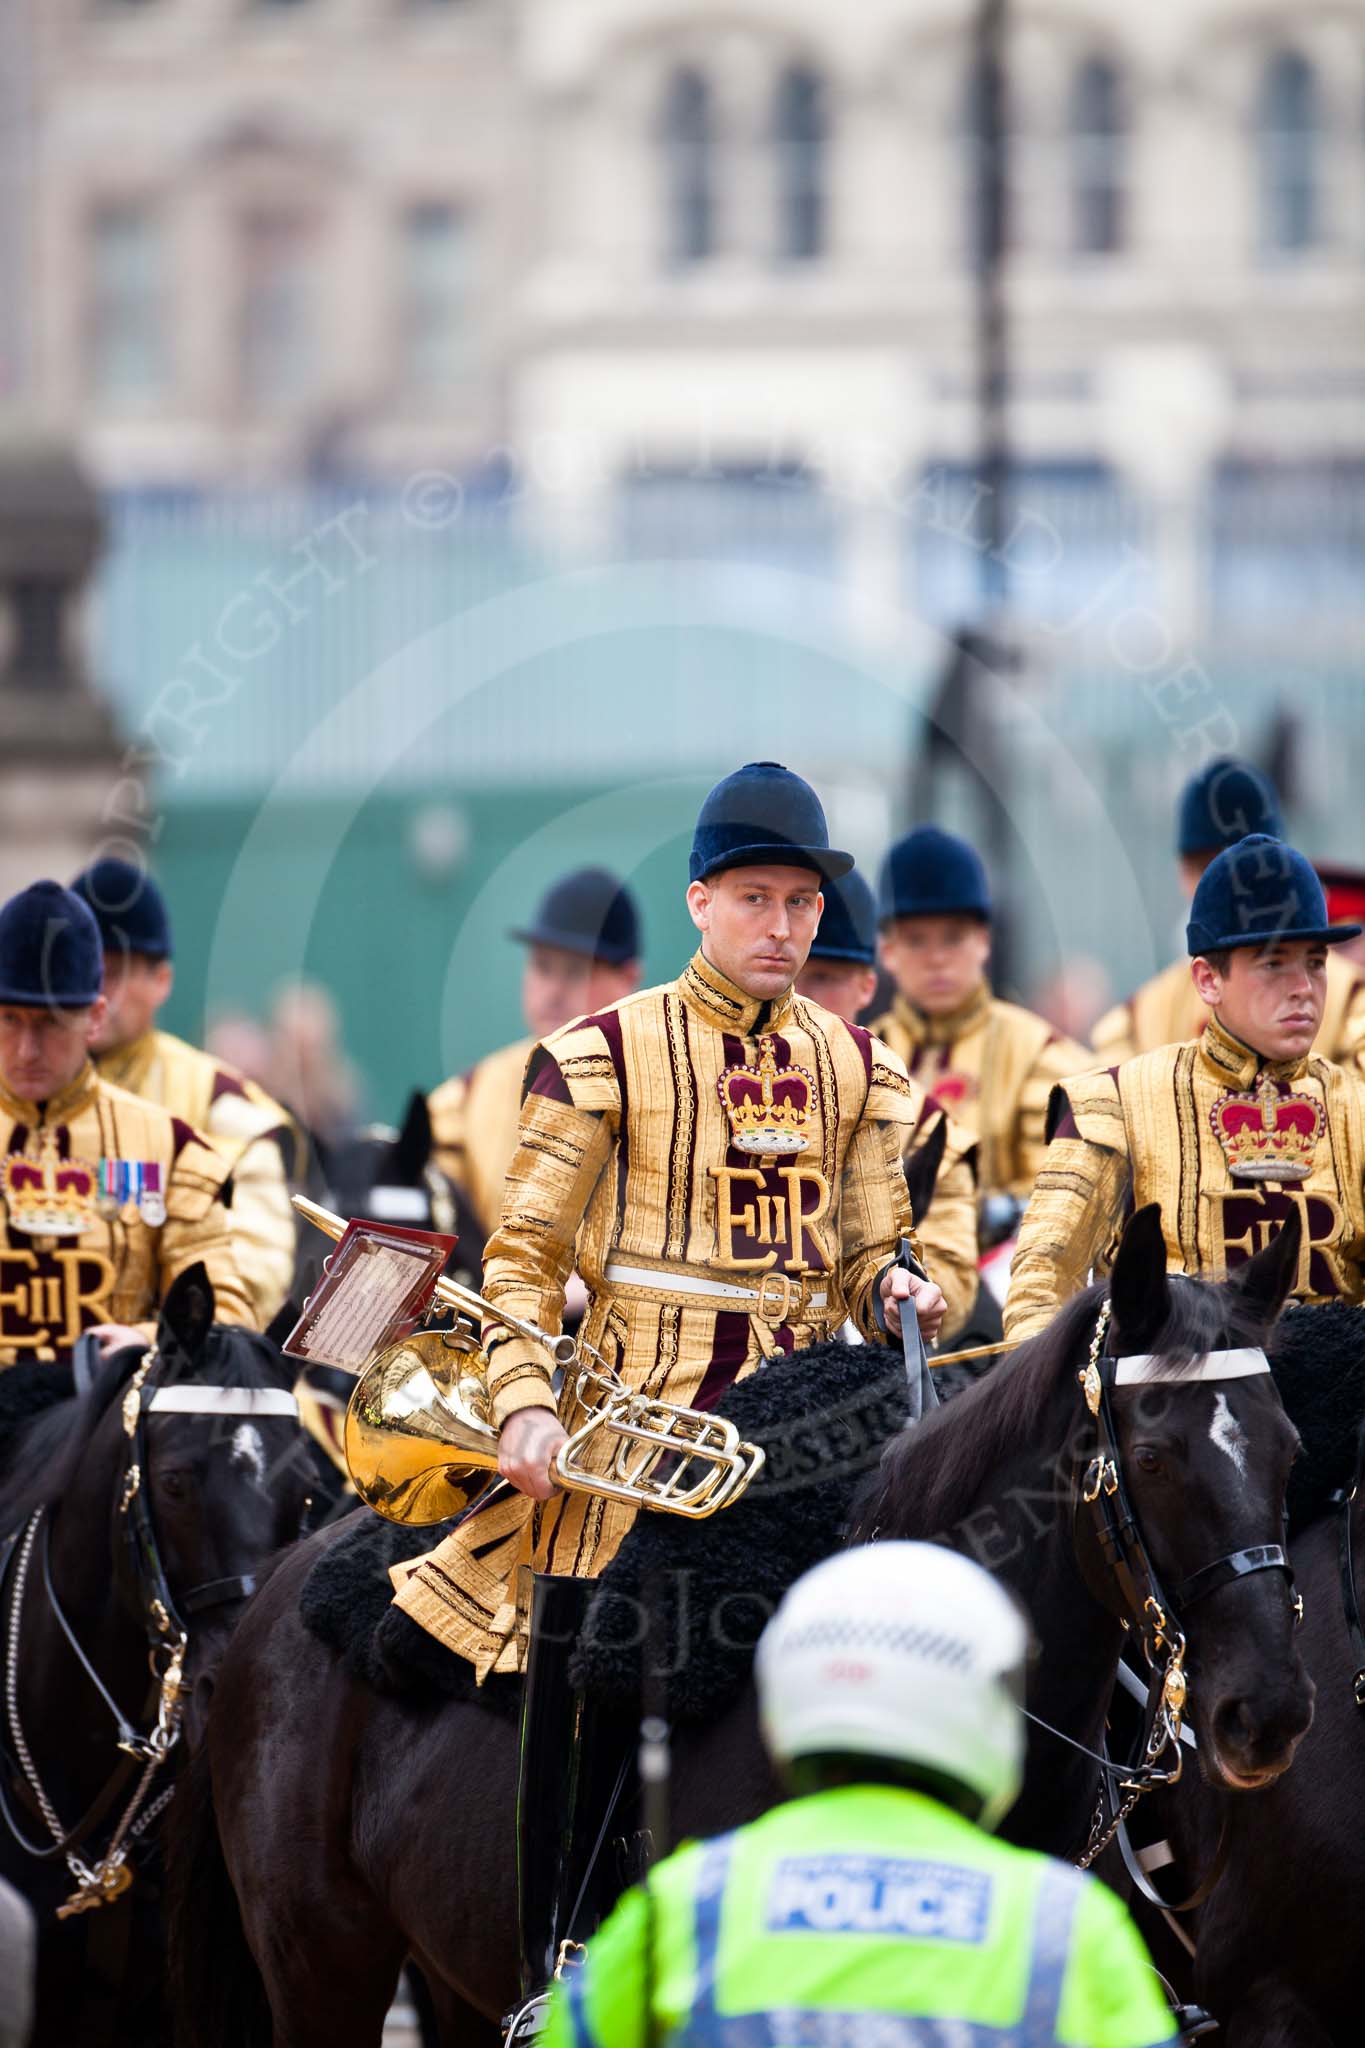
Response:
column 375, row 1288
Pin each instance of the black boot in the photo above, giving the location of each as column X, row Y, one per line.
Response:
column 576, row 1798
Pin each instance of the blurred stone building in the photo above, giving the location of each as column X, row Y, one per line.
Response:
column 266, row 232
column 695, row 281
column 756, row 231
column 271, row 236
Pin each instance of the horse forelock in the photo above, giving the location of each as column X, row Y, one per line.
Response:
column 933, row 1471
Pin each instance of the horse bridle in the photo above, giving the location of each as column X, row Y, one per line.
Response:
column 163, row 1620
column 163, row 1615
column 1153, row 1615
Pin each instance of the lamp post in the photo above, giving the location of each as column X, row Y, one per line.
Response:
column 991, row 140
column 962, row 724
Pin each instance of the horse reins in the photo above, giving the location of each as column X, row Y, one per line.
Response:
column 167, row 1641
column 1342, row 1501
column 162, row 1611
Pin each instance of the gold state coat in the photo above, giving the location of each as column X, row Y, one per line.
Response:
column 627, row 1160
column 992, row 1065
column 475, row 1122
column 247, row 1127
column 1165, row 1127
column 65, row 1261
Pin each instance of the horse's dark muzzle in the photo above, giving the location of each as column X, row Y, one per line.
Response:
column 1254, row 1740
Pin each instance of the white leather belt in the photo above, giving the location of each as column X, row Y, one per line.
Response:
column 773, row 1298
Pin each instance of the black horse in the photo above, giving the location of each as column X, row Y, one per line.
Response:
column 1279, row 1937
column 159, row 1495
column 999, row 1473
column 353, row 1827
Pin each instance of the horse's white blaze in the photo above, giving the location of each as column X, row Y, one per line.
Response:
column 1227, row 1433
column 248, row 1450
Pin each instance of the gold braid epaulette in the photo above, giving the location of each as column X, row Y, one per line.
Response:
column 595, row 1066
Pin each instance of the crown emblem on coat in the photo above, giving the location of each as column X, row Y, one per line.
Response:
column 46, row 1195
column 1266, row 1135
column 768, row 1106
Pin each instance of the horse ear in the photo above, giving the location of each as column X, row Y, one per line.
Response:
column 1138, row 1288
column 412, row 1148
column 1264, row 1282
column 188, row 1310
column 283, row 1322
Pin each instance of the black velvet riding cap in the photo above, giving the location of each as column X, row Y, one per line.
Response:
column 587, row 912
column 129, row 908
column 1257, row 893
column 848, row 928
column 761, row 816
column 50, row 952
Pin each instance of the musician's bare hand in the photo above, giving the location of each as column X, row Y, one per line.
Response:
column 930, row 1306
column 527, row 1445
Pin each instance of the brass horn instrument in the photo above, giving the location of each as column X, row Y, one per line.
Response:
column 420, row 1442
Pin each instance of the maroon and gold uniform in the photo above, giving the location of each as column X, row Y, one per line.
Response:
column 105, row 1199
column 992, row 1065
column 247, row 1128
column 1227, row 1142
column 724, row 1174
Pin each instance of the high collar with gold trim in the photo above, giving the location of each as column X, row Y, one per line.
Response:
column 58, row 1109
column 944, row 1030
column 127, row 1065
column 1237, row 1065
column 714, row 997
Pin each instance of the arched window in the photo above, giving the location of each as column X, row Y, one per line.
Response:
column 1287, row 146
column 800, row 134
column 985, row 116
column 1098, row 170
column 689, row 152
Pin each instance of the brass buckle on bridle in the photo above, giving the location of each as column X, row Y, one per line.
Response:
column 777, row 1312
column 1156, row 1620
column 1101, row 1475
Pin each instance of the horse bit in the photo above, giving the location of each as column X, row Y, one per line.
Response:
column 101, row 1882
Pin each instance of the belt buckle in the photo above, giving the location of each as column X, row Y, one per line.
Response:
column 776, row 1312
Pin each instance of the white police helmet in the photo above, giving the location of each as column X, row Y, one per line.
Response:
column 906, row 1651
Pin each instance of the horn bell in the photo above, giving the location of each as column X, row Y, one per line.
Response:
column 419, row 1442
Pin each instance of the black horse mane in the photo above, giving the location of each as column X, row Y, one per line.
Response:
column 39, row 1461
column 938, row 1464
